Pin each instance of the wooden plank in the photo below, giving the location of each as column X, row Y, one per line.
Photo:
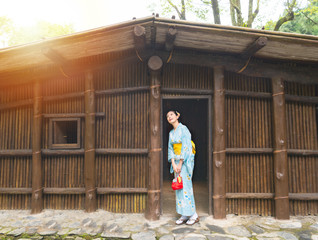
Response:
column 153, row 207
column 64, row 190
column 249, row 150
column 280, row 151
column 219, row 156
column 122, row 151
column 302, row 152
column 16, row 152
column 89, row 158
column 15, row 190
column 250, row 195
column 71, row 115
column 187, row 91
column 121, row 190
column 303, row 196
column 37, row 200
column 63, row 96
column 9, row 105
column 236, row 93
column 301, row 99
column 122, row 90
column 68, row 152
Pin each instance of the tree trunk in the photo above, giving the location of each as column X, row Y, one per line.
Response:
column 216, row 11
column 251, row 15
column 288, row 17
column 183, row 11
column 236, row 13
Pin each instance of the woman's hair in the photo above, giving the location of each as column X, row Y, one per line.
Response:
column 175, row 112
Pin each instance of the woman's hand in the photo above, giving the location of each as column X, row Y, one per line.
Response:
column 175, row 167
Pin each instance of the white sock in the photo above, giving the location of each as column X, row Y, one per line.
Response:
column 194, row 216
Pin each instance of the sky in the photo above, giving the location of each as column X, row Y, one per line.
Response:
column 89, row 14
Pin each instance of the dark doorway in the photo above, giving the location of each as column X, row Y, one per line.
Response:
column 195, row 115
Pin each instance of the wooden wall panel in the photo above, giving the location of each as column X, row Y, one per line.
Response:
column 249, row 125
column 124, row 127
column 122, row 171
column 302, row 134
column 15, row 133
column 187, row 76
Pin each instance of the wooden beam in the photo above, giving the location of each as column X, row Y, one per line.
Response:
column 89, row 158
column 71, row 115
column 250, row 195
column 15, row 190
column 302, row 152
column 37, row 191
column 122, row 90
column 303, row 196
column 170, row 37
column 121, row 190
column 280, row 151
column 301, row 99
column 49, row 152
column 219, row 156
column 122, row 151
column 254, row 47
column 10, row 105
column 187, row 91
column 64, row 96
column 64, row 190
column 140, row 38
column 53, row 55
column 16, row 152
column 249, row 150
column 236, row 93
column 255, row 68
column 153, row 207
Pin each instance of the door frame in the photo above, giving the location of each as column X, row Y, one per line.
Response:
column 209, row 137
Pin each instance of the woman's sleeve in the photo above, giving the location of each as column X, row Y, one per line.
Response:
column 170, row 150
column 186, row 144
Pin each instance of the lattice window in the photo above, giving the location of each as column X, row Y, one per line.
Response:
column 64, row 133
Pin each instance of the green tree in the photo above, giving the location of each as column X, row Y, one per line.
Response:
column 41, row 31
column 304, row 21
column 6, row 29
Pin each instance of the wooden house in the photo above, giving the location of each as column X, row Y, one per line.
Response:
column 83, row 126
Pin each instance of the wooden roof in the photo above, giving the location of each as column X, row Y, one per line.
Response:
column 195, row 36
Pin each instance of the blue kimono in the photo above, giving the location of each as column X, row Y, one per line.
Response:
column 185, row 204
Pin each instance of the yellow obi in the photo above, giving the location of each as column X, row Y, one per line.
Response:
column 177, row 148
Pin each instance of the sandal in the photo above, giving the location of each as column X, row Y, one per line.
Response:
column 192, row 221
column 182, row 220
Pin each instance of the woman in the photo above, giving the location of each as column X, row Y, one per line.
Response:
column 181, row 156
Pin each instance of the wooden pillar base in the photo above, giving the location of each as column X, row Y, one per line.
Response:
column 90, row 200
column 153, row 209
column 281, row 211
column 219, row 207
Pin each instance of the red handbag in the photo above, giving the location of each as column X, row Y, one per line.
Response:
column 177, row 183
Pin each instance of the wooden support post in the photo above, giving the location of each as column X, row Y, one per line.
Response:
column 153, row 208
column 89, row 161
column 219, row 145
column 254, row 47
column 53, row 56
column 280, row 151
column 37, row 188
column 170, row 37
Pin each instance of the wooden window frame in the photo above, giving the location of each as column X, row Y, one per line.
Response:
column 52, row 134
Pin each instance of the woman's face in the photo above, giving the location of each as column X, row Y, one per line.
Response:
column 172, row 117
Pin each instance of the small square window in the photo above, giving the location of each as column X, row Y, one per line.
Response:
column 64, row 133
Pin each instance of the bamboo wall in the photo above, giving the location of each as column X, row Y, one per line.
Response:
column 249, row 125
column 15, row 133
column 124, row 127
column 64, row 171
column 302, row 134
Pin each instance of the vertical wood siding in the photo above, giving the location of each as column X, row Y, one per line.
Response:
column 302, row 134
column 249, row 125
column 187, row 76
column 15, row 133
column 124, row 127
column 63, row 171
